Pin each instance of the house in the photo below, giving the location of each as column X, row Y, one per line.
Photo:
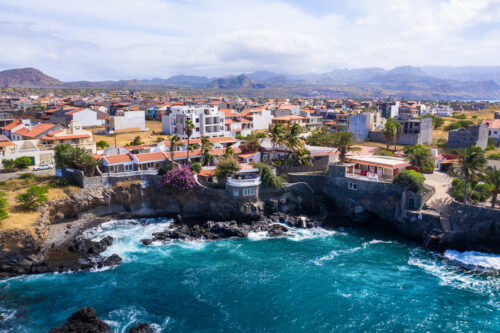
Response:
column 413, row 132
column 219, row 143
column 493, row 127
column 375, row 168
column 30, row 148
column 286, row 110
column 474, row 135
column 290, row 120
column 208, row 121
column 31, row 132
column 75, row 135
column 441, row 110
column 359, row 125
column 126, row 121
column 87, row 117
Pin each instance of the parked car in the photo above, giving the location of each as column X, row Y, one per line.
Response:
column 43, row 166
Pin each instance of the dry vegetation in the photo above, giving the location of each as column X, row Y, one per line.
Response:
column 21, row 219
column 123, row 139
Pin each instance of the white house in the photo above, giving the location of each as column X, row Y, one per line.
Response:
column 441, row 110
column 493, row 128
column 208, row 121
column 87, row 117
column 128, row 121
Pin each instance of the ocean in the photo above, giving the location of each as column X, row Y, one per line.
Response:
column 314, row 280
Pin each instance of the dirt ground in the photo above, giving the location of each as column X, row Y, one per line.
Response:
column 21, row 219
column 151, row 137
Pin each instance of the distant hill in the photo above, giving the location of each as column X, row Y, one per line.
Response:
column 26, row 77
column 187, row 80
column 237, row 82
column 465, row 73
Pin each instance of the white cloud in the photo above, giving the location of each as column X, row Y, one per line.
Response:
column 116, row 39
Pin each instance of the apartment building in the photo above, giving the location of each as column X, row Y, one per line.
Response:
column 208, row 121
column 75, row 135
column 441, row 110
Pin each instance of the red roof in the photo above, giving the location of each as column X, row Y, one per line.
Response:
column 145, row 157
column 492, row 124
column 73, row 111
column 12, row 125
column 66, row 137
column 121, row 158
column 38, row 129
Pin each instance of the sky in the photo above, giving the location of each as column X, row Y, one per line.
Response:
column 143, row 39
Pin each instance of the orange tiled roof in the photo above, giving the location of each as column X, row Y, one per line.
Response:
column 12, row 125
column 121, row 158
column 145, row 157
column 39, row 129
column 66, row 137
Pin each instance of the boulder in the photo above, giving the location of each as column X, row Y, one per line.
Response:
column 83, row 320
column 142, row 328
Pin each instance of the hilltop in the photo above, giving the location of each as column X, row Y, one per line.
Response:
column 26, row 77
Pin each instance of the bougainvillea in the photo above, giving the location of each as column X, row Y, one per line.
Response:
column 179, row 178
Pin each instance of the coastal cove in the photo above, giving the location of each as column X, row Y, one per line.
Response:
column 306, row 279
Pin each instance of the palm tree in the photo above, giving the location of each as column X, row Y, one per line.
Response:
column 345, row 142
column 174, row 143
column 188, row 130
column 492, row 177
column 229, row 151
column 276, row 133
column 206, row 147
column 399, row 131
column 389, row 131
column 471, row 162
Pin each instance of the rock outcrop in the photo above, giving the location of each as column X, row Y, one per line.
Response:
column 83, row 320
column 141, row 328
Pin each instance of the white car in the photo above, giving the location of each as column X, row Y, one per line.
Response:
column 43, row 166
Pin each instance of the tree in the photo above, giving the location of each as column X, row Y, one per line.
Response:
column 33, row 198
column 252, row 145
column 226, row 167
column 438, row 122
column 492, row 178
column 410, row 179
column 102, row 144
column 206, row 147
column 389, row 131
column 471, row 162
column 174, row 143
column 268, row 178
column 228, row 152
column 4, row 204
column 195, row 167
column 276, row 134
column 179, row 178
column 344, row 142
column 67, row 156
column 22, row 162
column 8, row 164
column 188, row 130
column 136, row 142
column 420, row 157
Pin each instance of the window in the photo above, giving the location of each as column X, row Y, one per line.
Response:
column 352, row 186
column 248, row 191
column 235, row 193
column 128, row 167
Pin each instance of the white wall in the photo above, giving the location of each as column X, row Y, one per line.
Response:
column 88, row 118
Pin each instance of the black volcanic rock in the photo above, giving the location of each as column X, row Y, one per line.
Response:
column 141, row 328
column 83, row 321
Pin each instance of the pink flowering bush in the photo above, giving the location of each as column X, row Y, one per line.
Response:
column 179, row 178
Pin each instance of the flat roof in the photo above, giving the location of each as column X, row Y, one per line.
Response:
column 382, row 161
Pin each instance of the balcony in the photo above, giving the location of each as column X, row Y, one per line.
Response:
column 244, row 181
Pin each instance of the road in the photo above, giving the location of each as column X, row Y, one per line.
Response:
column 10, row 175
column 442, row 182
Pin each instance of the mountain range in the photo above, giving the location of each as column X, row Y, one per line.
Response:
column 429, row 82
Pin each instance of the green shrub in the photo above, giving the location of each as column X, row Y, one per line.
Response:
column 460, row 116
column 458, row 124
column 61, row 181
column 384, row 152
column 28, row 175
column 267, row 177
column 195, row 167
column 22, row 162
column 410, row 180
column 163, row 170
column 8, row 164
column 490, row 147
column 33, row 198
column 102, row 144
column 494, row 157
column 478, row 193
column 4, row 204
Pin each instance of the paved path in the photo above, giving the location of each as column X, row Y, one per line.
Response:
column 442, row 183
column 10, row 175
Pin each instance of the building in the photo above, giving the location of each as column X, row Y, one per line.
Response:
column 75, row 135
column 375, row 168
column 86, row 117
column 442, row 110
column 28, row 131
column 493, row 129
column 261, row 119
column 415, row 131
column 126, row 121
column 208, row 121
column 474, row 135
column 10, row 150
column 359, row 124
column 290, row 120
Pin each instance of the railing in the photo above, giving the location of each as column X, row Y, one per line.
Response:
column 132, row 173
column 369, row 177
column 243, row 182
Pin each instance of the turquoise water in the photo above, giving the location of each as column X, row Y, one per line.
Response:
column 312, row 280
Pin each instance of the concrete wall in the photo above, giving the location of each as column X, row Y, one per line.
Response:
column 88, row 118
column 359, row 125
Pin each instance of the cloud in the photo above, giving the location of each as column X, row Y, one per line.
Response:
column 115, row 39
